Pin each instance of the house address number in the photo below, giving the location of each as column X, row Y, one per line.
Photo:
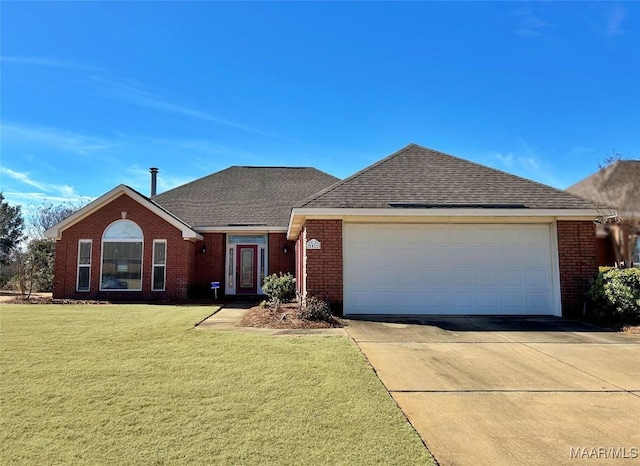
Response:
column 313, row 244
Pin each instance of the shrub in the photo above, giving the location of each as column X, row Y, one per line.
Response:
column 316, row 309
column 615, row 295
column 280, row 288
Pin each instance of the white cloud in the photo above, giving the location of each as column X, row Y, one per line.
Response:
column 530, row 24
column 614, row 20
column 46, row 192
column 66, row 141
column 524, row 162
column 135, row 93
column 47, row 62
column 22, row 178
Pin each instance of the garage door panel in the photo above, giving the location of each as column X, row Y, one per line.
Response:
column 510, row 236
column 462, row 278
column 433, row 277
column 359, row 253
column 410, row 256
column 462, row 301
column 485, row 258
column 436, row 237
column 511, row 257
column 487, row 301
column 532, row 237
column 537, row 300
column 448, row 269
column 413, row 279
column 486, row 277
column 511, row 300
column 537, row 278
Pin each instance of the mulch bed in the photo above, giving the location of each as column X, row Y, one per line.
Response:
column 49, row 300
column 285, row 317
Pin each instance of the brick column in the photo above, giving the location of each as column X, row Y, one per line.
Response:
column 324, row 266
column 578, row 263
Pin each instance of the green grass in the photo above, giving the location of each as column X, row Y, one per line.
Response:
column 136, row 384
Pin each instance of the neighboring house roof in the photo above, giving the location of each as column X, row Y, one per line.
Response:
column 417, row 177
column 617, row 185
column 244, row 196
column 187, row 232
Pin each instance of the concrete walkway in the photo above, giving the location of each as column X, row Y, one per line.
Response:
column 506, row 391
column 230, row 315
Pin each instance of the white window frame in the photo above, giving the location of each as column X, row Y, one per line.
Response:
column 88, row 266
column 154, row 265
column 122, row 240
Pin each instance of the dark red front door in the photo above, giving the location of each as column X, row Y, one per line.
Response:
column 246, row 267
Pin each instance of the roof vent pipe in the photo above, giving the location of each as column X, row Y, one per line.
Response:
column 154, row 180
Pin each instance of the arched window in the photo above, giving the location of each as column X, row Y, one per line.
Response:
column 122, row 257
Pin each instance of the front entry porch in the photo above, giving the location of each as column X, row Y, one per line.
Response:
column 246, row 264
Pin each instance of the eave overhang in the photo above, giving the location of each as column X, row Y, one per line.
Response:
column 237, row 229
column 435, row 215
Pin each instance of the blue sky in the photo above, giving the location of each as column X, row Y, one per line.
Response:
column 95, row 93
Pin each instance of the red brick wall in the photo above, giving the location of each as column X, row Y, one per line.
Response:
column 180, row 254
column 209, row 267
column 324, row 266
column 278, row 260
column 578, row 263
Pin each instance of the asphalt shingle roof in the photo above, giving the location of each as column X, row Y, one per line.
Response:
column 419, row 177
column 243, row 196
column 617, row 185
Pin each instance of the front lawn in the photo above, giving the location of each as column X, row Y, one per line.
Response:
column 136, row 384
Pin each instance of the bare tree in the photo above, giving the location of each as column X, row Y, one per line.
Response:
column 43, row 217
column 615, row 189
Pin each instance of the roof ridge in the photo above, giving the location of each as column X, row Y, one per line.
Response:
column 355, row 175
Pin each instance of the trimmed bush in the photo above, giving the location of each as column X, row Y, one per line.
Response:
column 615, row 296
column 316, row 309
column 279, row 287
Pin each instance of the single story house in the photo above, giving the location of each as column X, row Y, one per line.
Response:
column 613, row 188
column 418, row 232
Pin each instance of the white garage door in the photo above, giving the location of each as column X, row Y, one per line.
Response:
column 448, row 269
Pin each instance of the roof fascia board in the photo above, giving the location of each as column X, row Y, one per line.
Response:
column 443, row 212
column 300, row 215
column 240, row 229
column 55, row 232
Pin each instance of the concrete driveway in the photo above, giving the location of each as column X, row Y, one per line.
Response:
column 509, row 390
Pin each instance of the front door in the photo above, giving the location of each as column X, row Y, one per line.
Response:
column 246, row 268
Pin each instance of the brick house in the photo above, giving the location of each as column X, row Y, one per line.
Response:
column 228, row 227
column 613, row 187
column 417, row 232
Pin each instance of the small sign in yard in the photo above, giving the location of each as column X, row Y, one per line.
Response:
column 214, row 287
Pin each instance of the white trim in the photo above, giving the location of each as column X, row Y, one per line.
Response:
column 240, row 229
column 437, row 215
column 555, row 269
column 230, row 266
column 154, row 265
column 87, row 266
column 439, row 212
column 230, row 263
column 55, row 232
